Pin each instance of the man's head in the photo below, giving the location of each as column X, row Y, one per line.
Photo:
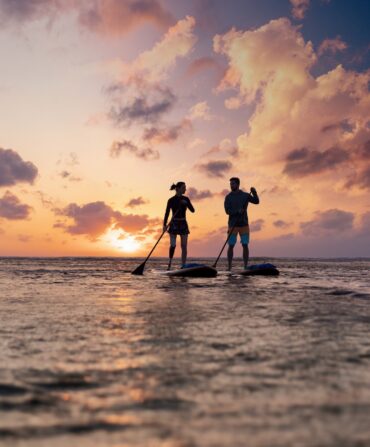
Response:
column 234, row 183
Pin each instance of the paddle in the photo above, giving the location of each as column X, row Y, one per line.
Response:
column 222, row 249
column 140, row 269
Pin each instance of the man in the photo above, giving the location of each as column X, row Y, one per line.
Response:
column 236, row 203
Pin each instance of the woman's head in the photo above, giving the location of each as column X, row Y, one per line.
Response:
column 180, row 187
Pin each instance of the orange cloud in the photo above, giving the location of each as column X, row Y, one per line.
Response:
column 153, row 65
column 327, row 115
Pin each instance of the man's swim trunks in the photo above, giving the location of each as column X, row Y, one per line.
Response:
column 244, row 235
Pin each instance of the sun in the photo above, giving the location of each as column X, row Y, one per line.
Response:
column 129, row 244
column 122, row 242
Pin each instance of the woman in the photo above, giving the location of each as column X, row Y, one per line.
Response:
column 178, row 225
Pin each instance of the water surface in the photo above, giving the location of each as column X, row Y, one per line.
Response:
column 93, row 356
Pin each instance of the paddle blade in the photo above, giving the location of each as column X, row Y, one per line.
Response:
column 139, row 270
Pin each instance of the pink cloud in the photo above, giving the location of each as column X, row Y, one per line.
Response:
column 107, row 17
column 299, row 8
column 136, row 202
column 332, row 46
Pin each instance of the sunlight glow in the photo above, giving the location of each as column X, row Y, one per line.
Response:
column 122, row 241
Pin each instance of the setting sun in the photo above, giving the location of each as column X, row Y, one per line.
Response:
column 122, row 241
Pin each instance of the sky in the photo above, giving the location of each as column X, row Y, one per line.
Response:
column 106, row 103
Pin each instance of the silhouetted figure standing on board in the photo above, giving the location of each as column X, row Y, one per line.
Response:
column 178, row 225
column 236, row 203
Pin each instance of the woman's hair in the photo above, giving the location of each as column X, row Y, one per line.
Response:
column 176, row 185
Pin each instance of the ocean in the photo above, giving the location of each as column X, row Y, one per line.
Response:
column 93, row 356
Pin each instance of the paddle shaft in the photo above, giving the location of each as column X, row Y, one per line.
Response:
column 142, row 265
column 227, row 239
column 222, row 249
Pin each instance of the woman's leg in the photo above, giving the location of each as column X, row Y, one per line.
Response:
column 172, row 249
column 184, row 248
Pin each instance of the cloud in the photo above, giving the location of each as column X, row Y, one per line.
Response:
column 281, row 224
column 269, row 68
column 146, row 106
column 201, row 64
column 118, row 147
column 329, row 221
column 194, row 194
column 96, row 218
column 200, row 110
column 216, row 169
column 153, row 65
column 11, row 208
column 257, row 225
column 68, row 175
column 92, row 219
column 156, row 135
column 14, row 170
column 134, row 222
column 136, row 202
column 299, row 8
column 107, row 17
column 332, row 46
column 304, row 161
column 117, row 17
column 196, row 142
column 365, row 224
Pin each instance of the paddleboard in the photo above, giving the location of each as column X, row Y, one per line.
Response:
column 260, row 269
column 194, row 271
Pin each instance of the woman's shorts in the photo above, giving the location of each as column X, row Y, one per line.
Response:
column 244, row 235
column 178, row 227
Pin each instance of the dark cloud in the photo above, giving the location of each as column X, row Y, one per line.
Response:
column 118, row 147
column 136, row 202
column 257, row 225
column 108, row 17
column 155, row 135
column 11, row 208
column 301, row 162
column 14, row 170
column 281, row 224
column 194, row 194
column 344, row 125
column 330, row 221
column 147, row 106
column 217, row 168
column 360, row 179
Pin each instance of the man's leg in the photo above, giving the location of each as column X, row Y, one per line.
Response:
column 230, row 250
column 244, row 239
column 172, row 250
column 184, row 248
column 245, row 255
column 230, row 255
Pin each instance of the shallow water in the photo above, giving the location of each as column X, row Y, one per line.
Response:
column 93, row 356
